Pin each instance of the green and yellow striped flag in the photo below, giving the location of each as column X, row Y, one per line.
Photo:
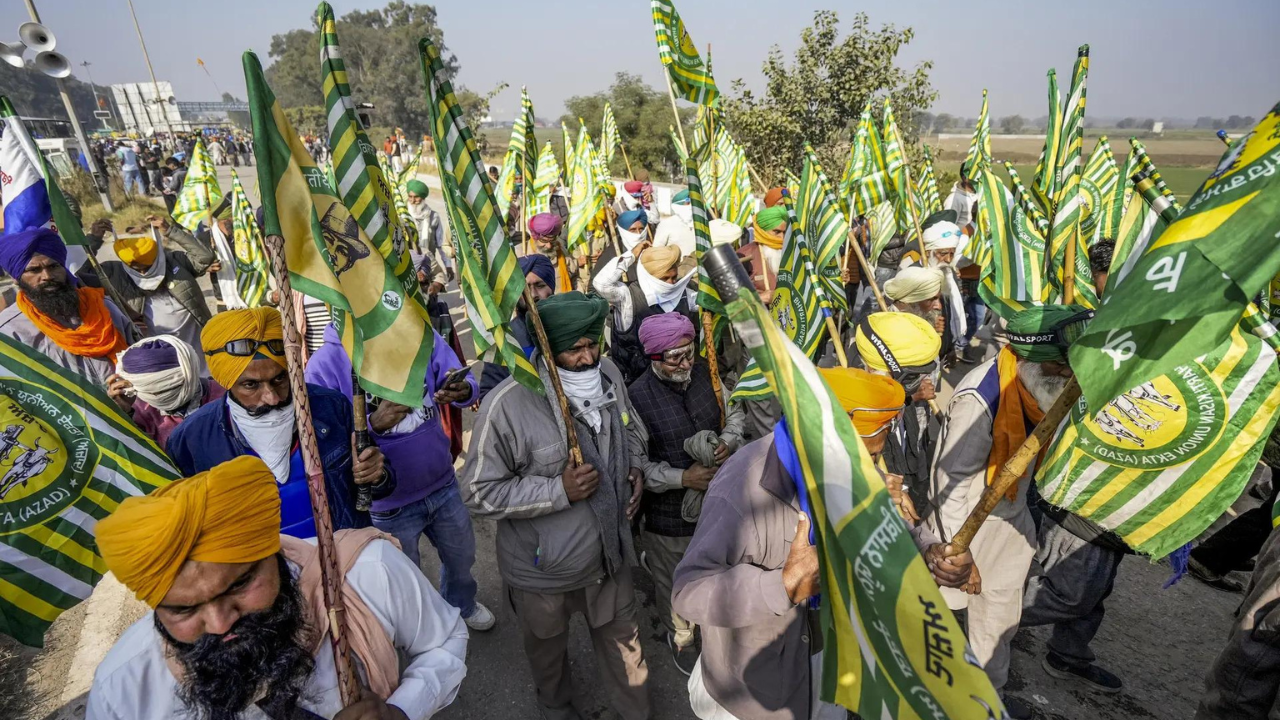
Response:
column 584, row 191
column 907, row 206
column 68, row 458
column 675, row 140
column 528, row 145
column 927, row 185
column 489, row 275
column 1142, row 163
column 821, row 219
column 547, row 178
column 1101, row 178
column 708, row 297
column 892, row 648
column 570, row 154
column 1044, row 183
column 1160, row 463
column 740, row 208
column 866, row 179
column 690, row 77
column 253, row 270
column 330, row 257
column 883, row 228
column 1148, row 214
column 1070, row 199
column 609, row 138
column 1011, row 277
column 979, row 156
column 200, row 193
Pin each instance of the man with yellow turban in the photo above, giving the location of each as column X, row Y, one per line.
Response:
column 159, row 285
column 245, row 352
column 564, row 533
column 656, row 288
column 988, row 418
column 751, row 568
column 238, row 616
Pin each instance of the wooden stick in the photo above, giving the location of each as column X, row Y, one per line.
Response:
column 708, row 335
column 544, row 347
column 835, row 338
column 623, row 147
column 1012, row 471
column 1069, row 269
column 330, row 576
column 611, row 230
column 360, row 418
column 911, row 208
column 867, row 272
column 671, row 92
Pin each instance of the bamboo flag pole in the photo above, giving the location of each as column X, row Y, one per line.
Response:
column 1009, row 474
column 713, row 363
column 835, row 339
column 911, row 208
column 1069, row 269
column 623, row 147
column 330, row 576
column 671, row 92
column 360, row 418
column 867, row 272
column 544, row 347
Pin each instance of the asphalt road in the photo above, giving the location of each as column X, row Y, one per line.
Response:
column 1159, row 641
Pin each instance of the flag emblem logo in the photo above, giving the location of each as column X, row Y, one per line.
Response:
column 391, row 301
column 1163, row 423
column 46, row 454
column 342, row 239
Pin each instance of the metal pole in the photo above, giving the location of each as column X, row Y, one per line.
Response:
column 96, row 100
column 172, row 138
column 100, row 177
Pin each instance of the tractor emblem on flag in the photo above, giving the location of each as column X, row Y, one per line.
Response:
column 46, row 454
column 342, row 239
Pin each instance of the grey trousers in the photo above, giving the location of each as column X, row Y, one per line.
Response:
column 663, row 553
column 1242, row 684
column 1076, row 576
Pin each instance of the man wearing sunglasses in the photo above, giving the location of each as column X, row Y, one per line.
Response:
column 988, row 418
column 245, row 353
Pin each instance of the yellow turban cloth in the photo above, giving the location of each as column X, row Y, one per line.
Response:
column 659, row 260
column 230, row 514
column 910, row 339
column 137, row 250
column 254, row 324
column 873, row 400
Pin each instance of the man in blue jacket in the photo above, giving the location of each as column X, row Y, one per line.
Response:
column 245, row 353
column 426, row 499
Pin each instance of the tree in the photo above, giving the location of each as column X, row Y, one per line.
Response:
column 1127, row 123
column 943, row 122
column 644, row 117
column 240, row 119
column 819, row 96
column 380, row 49
column 1012, row 124
column 1147, row 124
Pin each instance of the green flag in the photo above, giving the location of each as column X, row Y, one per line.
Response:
column 586, row 200
column 824, row 223
column 866, row 179
column 253, row 270
column 979, row 156
column 1044, row 182
column 1160, row 313
column 489, row 275
column 927, row 185
column 408, row 227
column 1011, row 277
column 1070, row 198
column 907, row 205
column 70, row 458
column 330, row 257
column 1149, row 213
column 891, row 647
column 547, row 178
column 609, row 138
column 708, row 298
column 690, row 77
column 200, row 193
column 1101, row 178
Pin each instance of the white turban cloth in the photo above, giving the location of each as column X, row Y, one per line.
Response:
column 942, row 236
column 170, row 390
column 914, row 284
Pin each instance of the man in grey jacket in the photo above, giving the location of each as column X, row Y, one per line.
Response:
column 564, row 540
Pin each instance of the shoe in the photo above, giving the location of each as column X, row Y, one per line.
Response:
column 1091, row 674
column 1198, row 571
column 1016, row 709
column 684, row 657
column 970, row 358
column 481, row 618
column 1249, row 565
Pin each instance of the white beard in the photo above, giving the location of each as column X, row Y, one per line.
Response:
column 1044, row 388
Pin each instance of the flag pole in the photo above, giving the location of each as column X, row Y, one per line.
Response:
column 544, row 347
column 360, row 418
column 671, row 93
column 867, row 272
column 713, row 363
column 1009, row 475
column 623, row 147
column 911, row 208
column 330, row 575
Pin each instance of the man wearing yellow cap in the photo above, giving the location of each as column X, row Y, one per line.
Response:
column 656, row 288
column 238, row 627
column 748, row 574
column 245, row 352
column 159, row 285
column 988, row 418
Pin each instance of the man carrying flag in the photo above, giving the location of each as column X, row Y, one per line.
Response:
column 75, row 326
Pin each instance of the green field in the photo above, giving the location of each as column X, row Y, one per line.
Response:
column 1183, row 181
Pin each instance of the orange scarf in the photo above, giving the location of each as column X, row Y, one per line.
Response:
column 97, row 336
column 1009, row 429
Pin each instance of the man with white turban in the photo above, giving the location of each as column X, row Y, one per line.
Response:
column 238, row 613
column 677, row 230
column 941, row 238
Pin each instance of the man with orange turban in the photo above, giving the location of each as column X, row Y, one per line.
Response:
column 750, row 570
column 245, row 352
column 74, row 326
column 989, row 416
column 238, row 614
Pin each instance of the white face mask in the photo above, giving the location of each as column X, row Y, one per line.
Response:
column 631, row 239
column 585, row 391
column 270, row 436
column 683, row 211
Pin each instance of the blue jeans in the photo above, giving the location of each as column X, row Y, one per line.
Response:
column 443, row 518
column 975, row 312
column 133, row 178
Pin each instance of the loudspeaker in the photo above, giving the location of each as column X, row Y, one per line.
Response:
column 12, row 53
column 53, row 64
column 37, row 37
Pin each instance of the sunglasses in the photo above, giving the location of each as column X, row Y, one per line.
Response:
column 248, row 348
column 674, row 357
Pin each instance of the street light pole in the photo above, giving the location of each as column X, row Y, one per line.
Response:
column 99, row 174
column 96, row 100
column 159, row 101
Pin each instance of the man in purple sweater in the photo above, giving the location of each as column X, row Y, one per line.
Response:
column 413, row 442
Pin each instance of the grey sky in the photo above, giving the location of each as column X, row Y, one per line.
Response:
column 1169, row 59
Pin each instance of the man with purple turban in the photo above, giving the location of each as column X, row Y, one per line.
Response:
column 158, row 384
column 544, row 231
column 677, row 403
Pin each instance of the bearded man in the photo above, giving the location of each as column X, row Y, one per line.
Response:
column 918, row 291
column 988, row 418
column 564, row 535
column 656, row 289
column 238, row 627
column 245, row 352
column 75, row 326
column 763, row 254
column 430, row 230
column 941, row 238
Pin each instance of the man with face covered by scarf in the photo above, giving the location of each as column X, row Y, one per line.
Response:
column 989, row 416
column 632, row 229
column 76, row 327
column 238, row 617
column 677, row 230
column 564, row 538
column 158, row 385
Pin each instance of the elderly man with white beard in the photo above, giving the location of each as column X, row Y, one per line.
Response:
column 988, row 418
column 941, row 238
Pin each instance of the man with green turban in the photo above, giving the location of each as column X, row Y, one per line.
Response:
column 763, row 254
column 564, row 536
column 989, row 416
column 431, row 242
